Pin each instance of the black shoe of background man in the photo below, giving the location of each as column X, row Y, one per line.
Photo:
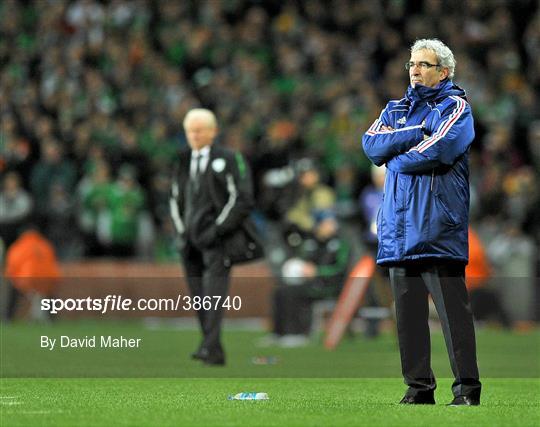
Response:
column 215, row 360
column 464, row 401
column 417, row 400
column 200, row 354
column 209, row 358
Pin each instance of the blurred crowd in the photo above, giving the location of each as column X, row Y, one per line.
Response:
column 93, row 94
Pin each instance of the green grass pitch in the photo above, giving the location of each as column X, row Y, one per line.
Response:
column 157, row 384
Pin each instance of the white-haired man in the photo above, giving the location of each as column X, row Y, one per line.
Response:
column 211, row 198
column 424, row 141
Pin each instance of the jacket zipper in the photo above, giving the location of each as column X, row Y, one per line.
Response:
column 432, row 177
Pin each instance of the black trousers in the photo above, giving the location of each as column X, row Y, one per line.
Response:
column 292, row 309
column 411, row 284
column 486, row 305
column 207, row 276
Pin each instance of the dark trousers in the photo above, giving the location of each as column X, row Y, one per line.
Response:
column 411, row 285
column 486, row 305
column 207, row 276
column 293, row 305
column 292, row 309
column 12, row 297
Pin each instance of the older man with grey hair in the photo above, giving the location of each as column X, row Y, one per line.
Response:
column 422, row 226
column 211, row 199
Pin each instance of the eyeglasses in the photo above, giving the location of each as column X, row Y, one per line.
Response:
column 422, row 64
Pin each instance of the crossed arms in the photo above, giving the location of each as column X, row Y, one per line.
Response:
column 410, row 150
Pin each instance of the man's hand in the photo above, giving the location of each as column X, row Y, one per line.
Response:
column 208, row 237
column 390, row 128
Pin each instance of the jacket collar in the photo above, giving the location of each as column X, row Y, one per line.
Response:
column 429, row 94
column 205, row 151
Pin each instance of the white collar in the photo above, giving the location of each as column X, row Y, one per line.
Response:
column 203, row 152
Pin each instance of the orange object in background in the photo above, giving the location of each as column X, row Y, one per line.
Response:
column 349, row 300
column 478, row 271
column 31, row 264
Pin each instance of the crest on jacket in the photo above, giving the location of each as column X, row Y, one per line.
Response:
column 218, row 165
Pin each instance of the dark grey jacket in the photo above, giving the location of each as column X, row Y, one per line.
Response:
column 228, row 179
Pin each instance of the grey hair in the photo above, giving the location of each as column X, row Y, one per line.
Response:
column 445, row 56
column 207, row 115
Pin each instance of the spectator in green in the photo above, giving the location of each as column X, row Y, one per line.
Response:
column 127, row 207
column 95, row 193
column 52, row 168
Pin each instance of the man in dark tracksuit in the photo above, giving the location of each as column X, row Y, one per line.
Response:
column 424, row 141
column 211, row 198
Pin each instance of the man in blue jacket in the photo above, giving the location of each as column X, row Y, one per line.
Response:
column 424, row 141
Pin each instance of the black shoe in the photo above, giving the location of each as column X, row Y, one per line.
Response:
column 215, row 360
column 464, row 401
column 200, row 354
column 417, row 400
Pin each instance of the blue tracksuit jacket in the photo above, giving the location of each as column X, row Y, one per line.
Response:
column 425, row 208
